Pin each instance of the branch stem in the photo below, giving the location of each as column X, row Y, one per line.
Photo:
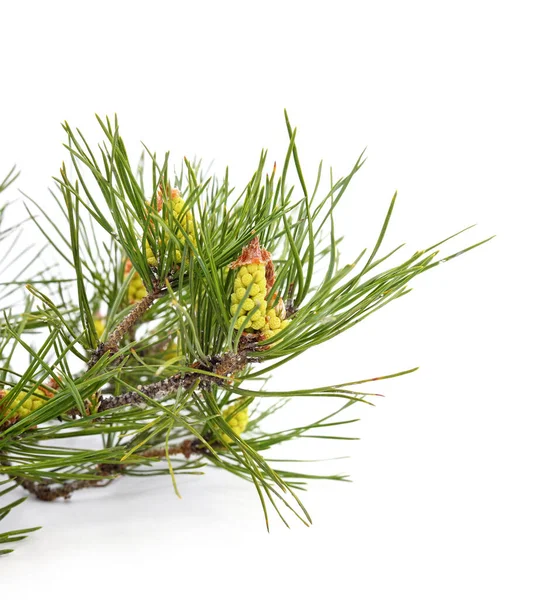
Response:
column 112, row 343
column 48, row 491
column 220, row 366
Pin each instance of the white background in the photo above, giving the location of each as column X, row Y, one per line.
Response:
column 441, row 94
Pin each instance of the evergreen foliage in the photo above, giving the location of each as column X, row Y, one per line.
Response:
column 173, row 299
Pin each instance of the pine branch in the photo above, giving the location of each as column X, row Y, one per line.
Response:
column 221, row 367
column 112, row 343
column 48, row 492
column 160, row 359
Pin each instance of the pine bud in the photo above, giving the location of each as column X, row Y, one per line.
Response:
column 184, row 218
column 250, row 283
column 136, row 289
column 256, row 276
column 250, row 287
column 236, row 419
column 29, row 404
column 273, row 324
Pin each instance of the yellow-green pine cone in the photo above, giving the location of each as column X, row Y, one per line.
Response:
column 151, row 259
column 30, row 404
column 136, row 289
column 236, row 419
column 185, row 218
column 100, row 326
column 250, row 283
column 274, row 324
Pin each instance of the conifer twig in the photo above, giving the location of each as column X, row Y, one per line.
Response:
column 220, row 368
column 112, row 343
column 187, row 447
column 48, row 490
column 248, row 276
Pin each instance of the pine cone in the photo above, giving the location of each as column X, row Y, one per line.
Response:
column 136, row 289
column 236, row 420
column 30, row 404
column 185, row 218
column 256, row 268
column 251, row 282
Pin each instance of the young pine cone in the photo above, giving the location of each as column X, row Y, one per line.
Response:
column 29, row 404
column 136, row 289
column 184, row 218
column 275, row 320
column 250, row 282
column 236, row 419
column 253, row 281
